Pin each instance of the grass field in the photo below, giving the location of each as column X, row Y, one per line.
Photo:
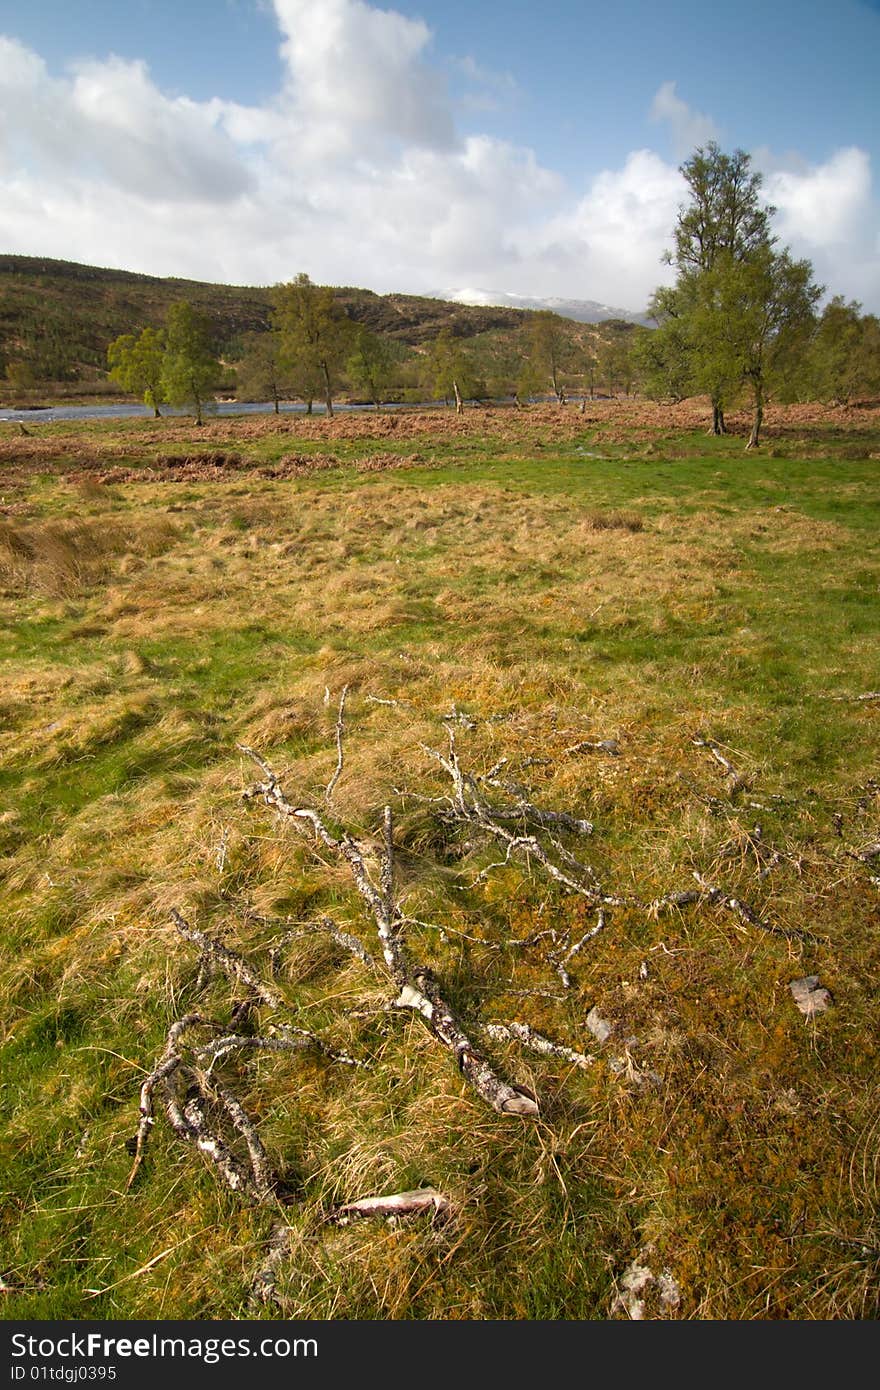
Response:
column 537, row 583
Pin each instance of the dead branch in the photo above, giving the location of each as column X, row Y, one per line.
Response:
column 714, row 748
column 340, row 730
column 265, row 1277
column 189, row 1121
column 602, row 745
column 423, row 1200
column 416, row 989
column 536, row 1042
column 230, row 962
column 868, row 695
column 746, row 913
column 165, row 1067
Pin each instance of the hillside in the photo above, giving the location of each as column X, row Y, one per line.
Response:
column 57, row 318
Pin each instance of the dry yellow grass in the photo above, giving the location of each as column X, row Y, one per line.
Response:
column 163, row 623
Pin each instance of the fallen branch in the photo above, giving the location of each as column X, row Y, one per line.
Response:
column 340, row 730
column 230, row 962
column 536, row 1042
column 602, row 745
column 417, row 1203
column 417, row 990
column 714, row 748
column 746, row 913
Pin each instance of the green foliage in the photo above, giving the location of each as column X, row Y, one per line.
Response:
column 315, row 335
column 450, row 371
column 752, row 318
column 723, row 216
column 189, row 367
column 617, row 360
column 136, row 364
column 259, row 374
column 740, row 313
column 370, row 366
column 664, row 358
column 548, row 349
column 845, row 357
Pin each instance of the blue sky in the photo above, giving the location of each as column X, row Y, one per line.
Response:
column 530, row 148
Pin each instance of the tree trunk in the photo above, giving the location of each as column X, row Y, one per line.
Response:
column 459, row 407
column 309, row 404
column 718, row 426
column 758, row 417
column 326, row 372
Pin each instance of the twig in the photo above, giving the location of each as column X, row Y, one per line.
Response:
column 230, row 962
column 537, row 1042
column 736, row 781
column 340, row 730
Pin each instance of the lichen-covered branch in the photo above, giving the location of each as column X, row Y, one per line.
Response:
column 417, row 990
column 230, row 962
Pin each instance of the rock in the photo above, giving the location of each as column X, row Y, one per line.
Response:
column 810, row 997
column 645, row 1294
column 599, row 1027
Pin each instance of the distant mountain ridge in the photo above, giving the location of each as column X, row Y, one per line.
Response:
column 581, row 310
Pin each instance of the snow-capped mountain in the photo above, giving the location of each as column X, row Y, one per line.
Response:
column 582, row 310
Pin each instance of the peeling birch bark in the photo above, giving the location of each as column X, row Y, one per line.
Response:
column 416, row 1203
column 340, row 730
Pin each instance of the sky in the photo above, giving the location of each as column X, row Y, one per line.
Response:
column 531, row 147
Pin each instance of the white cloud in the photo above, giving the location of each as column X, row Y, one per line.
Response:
column 689, row 128
column 109, row 123
column 357, row 75
column 614, row 239
column 828, row 214
column 356, row 174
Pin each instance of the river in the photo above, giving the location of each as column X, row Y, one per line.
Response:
column 122, row 411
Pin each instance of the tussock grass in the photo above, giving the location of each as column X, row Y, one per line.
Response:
column 555, row 601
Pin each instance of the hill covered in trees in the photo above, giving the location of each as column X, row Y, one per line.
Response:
column 58, row 318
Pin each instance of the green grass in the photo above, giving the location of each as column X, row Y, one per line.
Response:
column 149, row 627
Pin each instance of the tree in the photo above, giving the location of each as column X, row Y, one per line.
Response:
column 722, row 221
column 315, row 335
column 664, row 356
column 752, row 318
column 370, row 364
column 740, row 311
column 448, row 371
column 136, row 365
column 845, row 359
column 189, row 367
column 548, row 347
column 260, row 375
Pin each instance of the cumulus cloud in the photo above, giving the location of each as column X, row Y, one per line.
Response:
column 356, row 75
column 689, row 128
column 355, row 173
column 108, row 122
column 614, row 238
column 828, row 213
